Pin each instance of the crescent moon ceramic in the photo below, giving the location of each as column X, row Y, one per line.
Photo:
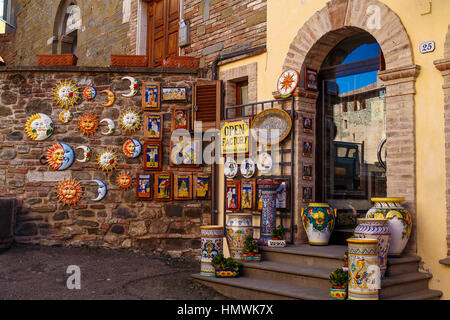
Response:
column 248, row 168
column 107, row 160
column 124, row 181
column 132, row 148
column 265, row 162
column 39, row 126
column 89, row 93
column 86, row 153
column 66, row 94
column 65, row 116
column 133, row 87
column 111, row 126
column 230, row 168
column 101, row 190
column 88, row 124
column 130, row 120
column 111, row 98
column 60, row 156
column 69, row 192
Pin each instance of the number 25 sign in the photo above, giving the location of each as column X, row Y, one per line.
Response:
column 427, row 47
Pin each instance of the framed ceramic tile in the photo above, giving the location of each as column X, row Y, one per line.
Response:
column 307, row 171
column 151, row 95
column 307, row 194
column 282, row 199
column 202, row 186
column 258, row 198
column 182, row 186
column 178, row 94
column 162, row 186
column 248, row 194
column 307, row 124
column 180, row 118
column 152, row 152
column 233, row 195
column 307, row 148
column 185, row 152
column 311, row 79
column 153, row 125
column 144, row 187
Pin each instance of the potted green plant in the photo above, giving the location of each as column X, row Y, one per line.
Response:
column 225, row 267
column 251, row 250
column 339, row 282
column 278, row 233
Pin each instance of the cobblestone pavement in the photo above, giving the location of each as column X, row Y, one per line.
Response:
column 35, row 272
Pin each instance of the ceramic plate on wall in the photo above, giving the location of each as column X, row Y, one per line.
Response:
column 264, row 162
column 248, row 168
column 230, row 168
column 287, row 82
column 271, row 119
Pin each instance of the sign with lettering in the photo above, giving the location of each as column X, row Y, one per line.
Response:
column 235, row 136
column 427, row 47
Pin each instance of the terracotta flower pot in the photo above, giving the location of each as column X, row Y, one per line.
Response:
column 122, row 60
column 57, row 59
column 183, row 62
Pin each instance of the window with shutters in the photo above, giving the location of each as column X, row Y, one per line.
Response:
column 207, row 103
column 163, row 18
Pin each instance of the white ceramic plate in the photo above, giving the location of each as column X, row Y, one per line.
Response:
column 248, row 168
column 230, row 168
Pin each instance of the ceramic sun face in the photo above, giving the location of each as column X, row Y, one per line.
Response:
column 66, row 94
column 89, row 93
column 65, row 116
column 107, row 160
column 39, row 126
column 69, row 192
column 124, row 181
column 132, row 148
column 88, row 124
column 60, row 156
column 130, row 120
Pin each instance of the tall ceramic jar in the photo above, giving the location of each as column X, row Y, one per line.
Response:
column 239, row 227
column 362, row 260
column 376, row 229
column 318, row 220
column 269, row 210
column 211, row 245
column 400, row 222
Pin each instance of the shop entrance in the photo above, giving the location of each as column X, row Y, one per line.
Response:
column 351, row 129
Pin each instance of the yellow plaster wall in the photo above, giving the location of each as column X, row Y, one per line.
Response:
column 286, row 17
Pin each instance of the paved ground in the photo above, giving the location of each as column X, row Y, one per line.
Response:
column 35, row 272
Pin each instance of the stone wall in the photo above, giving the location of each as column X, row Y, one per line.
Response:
column 218, row 27
column 118, row 221
column 103, row 31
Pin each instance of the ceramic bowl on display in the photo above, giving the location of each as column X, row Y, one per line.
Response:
column 230, row 168
column 264, row 162
column 248, row 168
column 272, row 126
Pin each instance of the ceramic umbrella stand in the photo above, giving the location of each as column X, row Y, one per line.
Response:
column 239, row 226
column 362, row 269
column 269, row 210
column 211, row 245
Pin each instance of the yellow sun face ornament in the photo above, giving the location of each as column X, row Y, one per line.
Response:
column 107, row 160
column 39, row 126
column 66, row 94
column 124, row 181
column 130, row 121
column 88, row 124
column 69, row 192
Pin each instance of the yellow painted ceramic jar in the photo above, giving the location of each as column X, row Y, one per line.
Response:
column 211, row 245
column 318, row 220
column 239, row 226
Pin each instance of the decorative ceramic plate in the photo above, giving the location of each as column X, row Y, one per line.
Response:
column 248, row 168
column 271, row 119
column 287, row 82
column 264, row 162
column 230, row 168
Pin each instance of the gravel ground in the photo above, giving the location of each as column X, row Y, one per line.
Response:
column 35, row 272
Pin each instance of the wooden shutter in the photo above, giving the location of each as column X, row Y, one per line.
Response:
column 207, row 103
column 163, row 18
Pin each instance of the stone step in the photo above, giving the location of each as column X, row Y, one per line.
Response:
column 427, row 294
column 244, row 288
column 328, row 257
column 303, row 276
column 405, row 283
column 402, row 265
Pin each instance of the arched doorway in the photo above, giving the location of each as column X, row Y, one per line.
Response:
column 65, row 30
column 351, row 130
column 340, row 20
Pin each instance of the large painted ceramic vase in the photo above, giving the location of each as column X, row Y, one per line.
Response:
column 318, row 220
column 362, row 261
column 400, row 222
column 269, row 210
column 376, row 229
column 239, row 227
column 211, row 245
